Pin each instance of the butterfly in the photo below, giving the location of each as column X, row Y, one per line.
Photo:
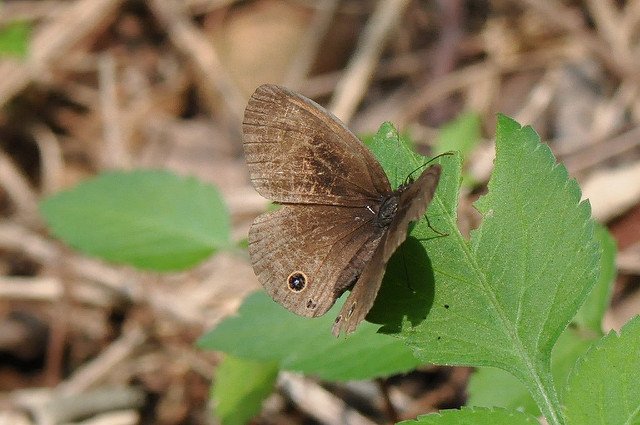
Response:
column 339, row 220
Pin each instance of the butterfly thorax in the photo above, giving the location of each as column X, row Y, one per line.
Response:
column 387, row 211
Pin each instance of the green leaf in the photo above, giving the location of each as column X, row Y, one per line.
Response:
column 149, row 219
column 14, row 39
column 572, row 344
column 474, row 416
column 592, row 311
column 461, row 135
column 394, row 153
column 491, row 387
column 603, row 388
column 265, row 331
column 240, row 388
column 503, row 298
column 494, row 387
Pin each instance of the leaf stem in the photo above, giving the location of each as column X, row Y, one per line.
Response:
column 541, row 388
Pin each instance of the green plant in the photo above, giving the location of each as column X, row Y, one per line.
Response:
column 150, row 219
column 14, row 38
column 501, row 299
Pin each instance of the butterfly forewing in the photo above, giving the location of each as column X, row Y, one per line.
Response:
column 297, row 152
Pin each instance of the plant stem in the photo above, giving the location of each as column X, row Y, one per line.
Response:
column 540, row 384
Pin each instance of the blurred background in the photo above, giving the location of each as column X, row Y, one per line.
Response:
column 93, row 85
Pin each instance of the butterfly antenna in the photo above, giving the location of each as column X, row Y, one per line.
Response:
column 406, row 180
column 439, row 233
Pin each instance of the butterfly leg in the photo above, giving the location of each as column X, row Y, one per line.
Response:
column 406, row 271
column 440, row 234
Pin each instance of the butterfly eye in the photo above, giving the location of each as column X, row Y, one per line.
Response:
column 297, row 281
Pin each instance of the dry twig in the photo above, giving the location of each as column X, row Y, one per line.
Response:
column 213, row 78
column 353, row 85
column 318, row 402
column 310, row 44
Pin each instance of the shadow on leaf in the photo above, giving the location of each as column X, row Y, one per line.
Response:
column 407, row 289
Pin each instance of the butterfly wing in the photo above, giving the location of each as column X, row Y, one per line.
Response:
column 298, row 152
column 306, row 256
column 412, row 204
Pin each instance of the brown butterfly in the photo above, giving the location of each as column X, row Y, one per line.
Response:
column 339, row 222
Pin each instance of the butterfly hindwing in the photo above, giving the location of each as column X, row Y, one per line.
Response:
column 306, row 256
